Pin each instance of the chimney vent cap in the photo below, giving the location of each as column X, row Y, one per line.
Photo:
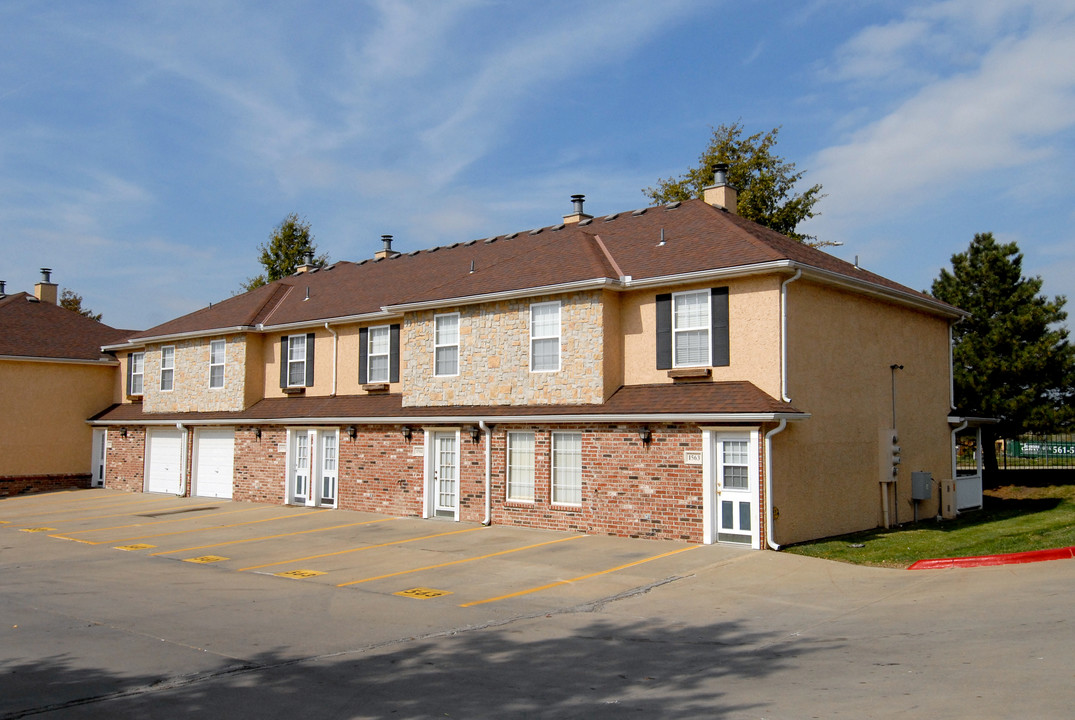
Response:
column 46, row 274
column 720, row 173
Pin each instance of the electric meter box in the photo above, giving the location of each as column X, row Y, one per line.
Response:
column 921, row 485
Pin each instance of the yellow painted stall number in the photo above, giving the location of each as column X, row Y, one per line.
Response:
column 137, row 546
column 300, row 574
column 204, row 559
column 423, row 593
column 37, row 529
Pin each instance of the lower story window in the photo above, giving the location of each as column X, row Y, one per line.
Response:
column 567, row 468
column 521, row 466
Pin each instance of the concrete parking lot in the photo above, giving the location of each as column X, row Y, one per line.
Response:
column 131, row 605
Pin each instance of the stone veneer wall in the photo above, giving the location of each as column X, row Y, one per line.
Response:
column 190, row 386
column 494, row 356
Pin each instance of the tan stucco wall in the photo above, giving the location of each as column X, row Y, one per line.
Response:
column 612, row 316
column 840, row 349
column 753, row 327
column 43, row 412
column 494, row 355
column 346, row 361
column 254, row 373
column 190, row 382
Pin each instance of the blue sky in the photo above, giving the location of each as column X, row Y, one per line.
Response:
column 147, row 149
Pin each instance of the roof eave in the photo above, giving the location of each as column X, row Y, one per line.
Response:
column 141, row 341
column 873, row 289
column 580, row 285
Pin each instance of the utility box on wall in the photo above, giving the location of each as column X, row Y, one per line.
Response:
column 921, row 485
column 948, row 499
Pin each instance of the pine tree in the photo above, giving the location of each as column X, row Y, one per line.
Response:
column 765, row 181
column 1012, row 359
column 286, row 250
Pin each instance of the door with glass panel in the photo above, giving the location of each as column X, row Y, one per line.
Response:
column 313, row 467
column 445, row 483
column 736, row 491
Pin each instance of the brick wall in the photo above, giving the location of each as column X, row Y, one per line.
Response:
column 26, row 484
column 260, row 465
column 125, row 459
column 380, row 473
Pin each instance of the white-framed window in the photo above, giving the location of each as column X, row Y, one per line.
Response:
column 521, row 466
column 217, row 354
column 167, row 367
column 735, row 464
column 567, row 468
column 446, row 344
column 545, row 336
column 296, row 361
column 379, row 348
column 690, row 328
column 136, row 373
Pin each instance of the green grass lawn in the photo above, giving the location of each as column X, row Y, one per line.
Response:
column 1013, row 519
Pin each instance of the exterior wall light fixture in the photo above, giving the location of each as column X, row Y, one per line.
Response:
column 352, row 432
column 123, row 432
column 475, row 433
column 257, row 434
column 406, row 432
column 645, row 436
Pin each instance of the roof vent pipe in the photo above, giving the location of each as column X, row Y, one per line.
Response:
column 3, row 285
column 386, row 251
column 46, row 274
column 45, row 289
column 721, row 193
column 577, row 201
column 578, row 214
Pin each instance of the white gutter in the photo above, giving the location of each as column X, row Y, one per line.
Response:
column 906, row 297
column 488, row 473
column 339, row 320
column 183, row 459
column 142, row 341
column 769, row 483
column 335, row 353
column 69, row 361
column 705, row 418
column 714, row 274
column 784, row 334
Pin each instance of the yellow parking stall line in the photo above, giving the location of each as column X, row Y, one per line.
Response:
column 205, row 529
column 272, row 537
column 579, row 578
column 66, row 536
column 108, row 507
column 122, row 514
column 76, row 496
column 359, row 549
column 462, row 561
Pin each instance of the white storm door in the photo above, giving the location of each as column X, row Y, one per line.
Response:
column 97, row 468
column 329, row 467
column 164, row 460
column 736, row 474
column 445, row 474
column 214, row 464
column 299, row 469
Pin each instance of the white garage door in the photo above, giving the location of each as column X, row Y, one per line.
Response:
column 214, row 462
column 164, row 457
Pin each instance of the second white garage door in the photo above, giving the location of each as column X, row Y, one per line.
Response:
column 164, row 456
column 214, row 462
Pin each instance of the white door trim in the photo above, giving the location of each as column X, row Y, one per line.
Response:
column 99, row 457
column 711, row 444
column 429, row 504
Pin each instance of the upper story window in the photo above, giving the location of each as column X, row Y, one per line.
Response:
column 297, row 360
column 692, row 329
column 378, row 359
column 167, row 367
column 446, row 344
column 379, row 348
column 135, row 372
column 217, row 354
column 545, row 336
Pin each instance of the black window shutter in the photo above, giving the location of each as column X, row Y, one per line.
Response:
column 719, row 316
column 130, row 372
column 283, row 361
column 309, row 359
column 393, row 353
column 363, row 355
column 664, row 331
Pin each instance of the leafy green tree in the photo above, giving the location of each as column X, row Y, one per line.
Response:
column 288, row 246
column 1012, row 359
column 765, row 181
column 70, row 300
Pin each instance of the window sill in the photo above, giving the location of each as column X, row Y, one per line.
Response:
column 690, row 373
column 135, row 398
column 293, row 390
column 375, row 387
column 567, row 507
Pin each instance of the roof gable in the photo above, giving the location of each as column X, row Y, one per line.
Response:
column 31, row 328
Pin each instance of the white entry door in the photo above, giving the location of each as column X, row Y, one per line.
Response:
column 214, row 462
column 736, row 489
column 97, row 467
column 313, row 466
column 445, row 480
column 164, row 460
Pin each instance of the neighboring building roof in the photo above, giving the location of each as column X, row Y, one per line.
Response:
column 616, row 251
column 669, row 401
column 31, row 328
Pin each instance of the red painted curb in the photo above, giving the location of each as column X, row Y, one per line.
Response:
column 987, row 560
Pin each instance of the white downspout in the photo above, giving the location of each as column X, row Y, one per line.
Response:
column 335, row 352
column 183, row 458
column 488, row 473
column 784, row 334
column 769, row 482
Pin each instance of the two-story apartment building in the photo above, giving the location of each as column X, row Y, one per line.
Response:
column 53, row 375
column 670, row 372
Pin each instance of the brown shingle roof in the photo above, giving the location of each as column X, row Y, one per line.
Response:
column 709, row 398
column 30, row 328
column 698, row 237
